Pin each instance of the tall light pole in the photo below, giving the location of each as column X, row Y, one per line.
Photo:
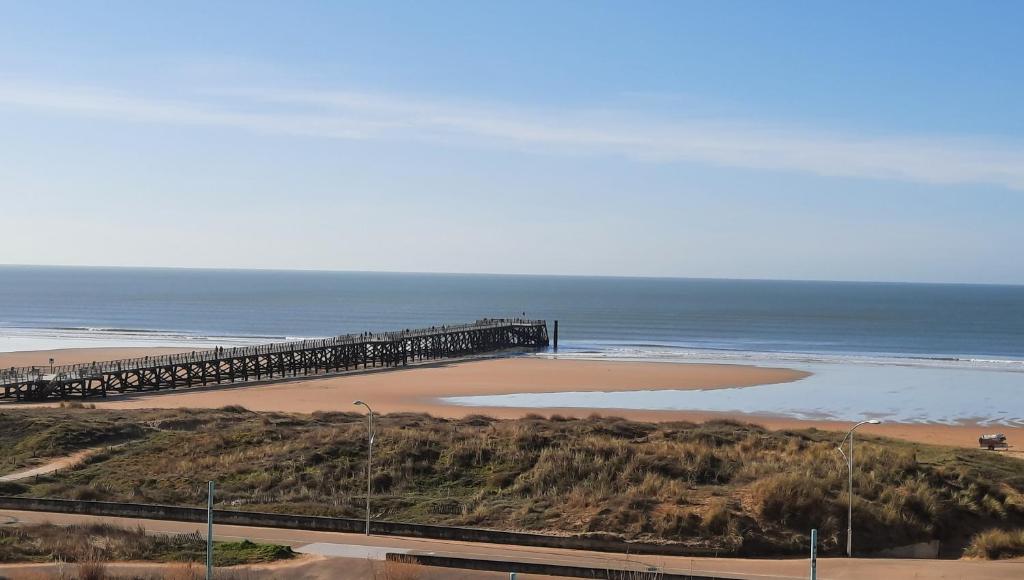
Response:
column 849, row 467
column 369, row 458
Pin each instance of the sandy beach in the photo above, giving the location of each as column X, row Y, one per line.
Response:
column 419, row 388
column 70, row 356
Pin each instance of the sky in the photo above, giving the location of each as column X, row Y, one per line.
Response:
column 787, row 140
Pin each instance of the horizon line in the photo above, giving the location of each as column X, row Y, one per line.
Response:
column 506, row 274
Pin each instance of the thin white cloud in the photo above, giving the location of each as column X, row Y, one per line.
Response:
column 355, row 115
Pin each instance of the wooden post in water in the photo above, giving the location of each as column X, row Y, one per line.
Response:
column 556, row 335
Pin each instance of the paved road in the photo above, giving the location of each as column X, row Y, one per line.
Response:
column 357, row 547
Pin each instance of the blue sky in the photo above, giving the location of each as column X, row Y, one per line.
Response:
column 810, row 140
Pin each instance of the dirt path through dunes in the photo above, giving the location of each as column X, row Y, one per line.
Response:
column 53, row 465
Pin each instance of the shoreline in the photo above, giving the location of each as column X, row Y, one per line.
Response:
column 73, row 355
column 420, row 388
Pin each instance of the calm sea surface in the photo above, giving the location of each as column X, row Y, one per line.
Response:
column 842, row 331
column 985, row 322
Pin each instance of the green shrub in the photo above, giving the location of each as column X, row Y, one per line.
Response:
column 246, row 552
column 12, row 488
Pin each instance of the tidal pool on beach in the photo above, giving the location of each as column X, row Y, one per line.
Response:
column 835, row 391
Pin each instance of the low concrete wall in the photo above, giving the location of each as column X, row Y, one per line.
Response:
column 921, row 551
column 543, row 569
column 326, row 524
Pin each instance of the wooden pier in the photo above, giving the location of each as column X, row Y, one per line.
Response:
column 271, row 361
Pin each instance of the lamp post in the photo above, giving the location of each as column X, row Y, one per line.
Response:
column 369, row 458
column 849, row 467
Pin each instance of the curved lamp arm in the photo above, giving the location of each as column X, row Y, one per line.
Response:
column 372, row 427
column 854, row 428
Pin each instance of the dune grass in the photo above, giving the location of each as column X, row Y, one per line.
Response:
column 722, row 486
column 997, row 544
column 28, row 437
column 94, row 543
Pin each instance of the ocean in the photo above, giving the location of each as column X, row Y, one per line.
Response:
column 928, row 321
column 839, row 330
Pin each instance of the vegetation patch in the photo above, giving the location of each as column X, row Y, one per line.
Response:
column 28, row 437
column 997, row 545
column 246, row 552
column 91, row 543
column 722, row 486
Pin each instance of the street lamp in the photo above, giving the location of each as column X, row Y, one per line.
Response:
column 849, row 467
column 369, row 458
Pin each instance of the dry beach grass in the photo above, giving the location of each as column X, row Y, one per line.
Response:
column 721, row 486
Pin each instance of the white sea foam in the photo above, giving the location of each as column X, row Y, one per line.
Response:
column 678, row 352
column 15, row 339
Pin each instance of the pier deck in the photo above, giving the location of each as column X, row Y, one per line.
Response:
column 270, row 361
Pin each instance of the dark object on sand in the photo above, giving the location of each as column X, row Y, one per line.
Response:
column 993, row 441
